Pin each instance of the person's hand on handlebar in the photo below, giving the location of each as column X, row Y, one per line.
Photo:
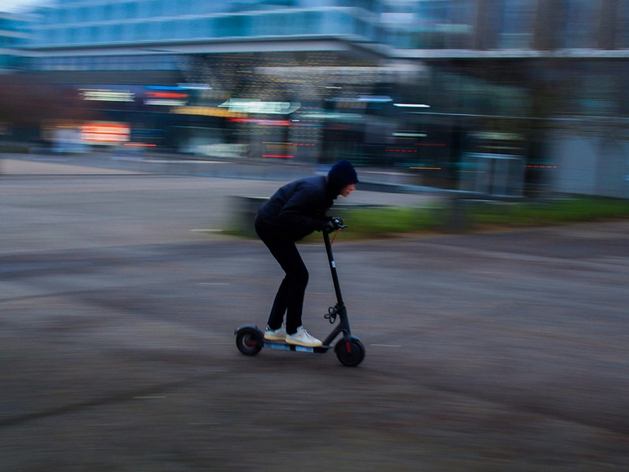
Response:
column 333, row 224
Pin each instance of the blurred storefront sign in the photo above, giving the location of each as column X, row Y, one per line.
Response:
column 238, row 105
column 107, row 95
column 99, row 133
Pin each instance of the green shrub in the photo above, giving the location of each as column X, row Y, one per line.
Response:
column 555, row 212
column 483, row 215
column 382, row 221
column 477, row 215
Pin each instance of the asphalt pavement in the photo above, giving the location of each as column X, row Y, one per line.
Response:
column 119, row 298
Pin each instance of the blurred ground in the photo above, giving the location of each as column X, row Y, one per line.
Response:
column 119, row 299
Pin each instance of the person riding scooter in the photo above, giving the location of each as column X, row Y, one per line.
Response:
column 296, row 210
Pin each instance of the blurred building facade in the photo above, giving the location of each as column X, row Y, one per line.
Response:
column 13, row 35
column 473, row 94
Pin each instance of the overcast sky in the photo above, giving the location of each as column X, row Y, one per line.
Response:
column 20, row 5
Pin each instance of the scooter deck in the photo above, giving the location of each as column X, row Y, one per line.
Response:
column 292, row 347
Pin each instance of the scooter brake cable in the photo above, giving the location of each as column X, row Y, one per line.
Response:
column 335, row 234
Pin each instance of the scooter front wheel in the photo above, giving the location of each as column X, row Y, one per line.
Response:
column 249, row 340
column 350, row 353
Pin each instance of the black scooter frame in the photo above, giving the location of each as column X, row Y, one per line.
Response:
column 349, row 350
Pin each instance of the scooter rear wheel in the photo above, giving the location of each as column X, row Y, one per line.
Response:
column 249, row 341
column 350, row 353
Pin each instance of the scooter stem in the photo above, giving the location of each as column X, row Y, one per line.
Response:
column 335, row 277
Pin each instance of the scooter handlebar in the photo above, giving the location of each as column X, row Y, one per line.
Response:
column 334, row 224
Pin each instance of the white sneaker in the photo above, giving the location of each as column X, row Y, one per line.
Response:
column 302, row 338
column 275, row 335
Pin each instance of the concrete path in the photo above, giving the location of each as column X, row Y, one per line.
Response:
column 28, row 167
column 496, row 352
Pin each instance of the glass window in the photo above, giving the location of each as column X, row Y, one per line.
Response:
column 129, row 10
column 117, row 11
column 113, row 32
column 67, row 15
column 97, row 63
column 271, row 24
column 56, row 16
column 314, row 21
column 157, row 8
column 105, row 63
column 108, row 12
column 81, row 35
column 179, row 29
column 205, row 28
column 517, row 25
column 80, row 64
column 95, row 12
column 201, row 8
column 166, row 63
column 622, row 32
column 183, row 7
column 434, row 11
column 432, row 24
column 50, row 36
column 141, row 31
column 258, row 25
column 360, row 28
column 128, row 32
column 81, row 14
column 299, row 23
column 92, row 34
column 459, row 26
column 104, row 33
column 236, row 25
column 332, row 22
column 581, row 24
column 144, row 9
column 155, row 30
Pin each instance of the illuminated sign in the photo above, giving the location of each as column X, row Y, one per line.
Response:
column 105, row 95
column 105, row 133
column 167, row 95
column 239, row 105
column 411, row 105
column 206, row 111
column 194, row 86
column 261, row 122
column 164, row 102
column 172, row 99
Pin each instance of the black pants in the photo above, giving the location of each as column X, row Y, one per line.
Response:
column 290, row 296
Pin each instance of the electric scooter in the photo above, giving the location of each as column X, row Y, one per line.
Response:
column 349, row 350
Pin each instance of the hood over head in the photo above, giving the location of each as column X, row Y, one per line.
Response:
column 341, row 175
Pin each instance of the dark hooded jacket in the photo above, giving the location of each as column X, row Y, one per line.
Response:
column 298, row 208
